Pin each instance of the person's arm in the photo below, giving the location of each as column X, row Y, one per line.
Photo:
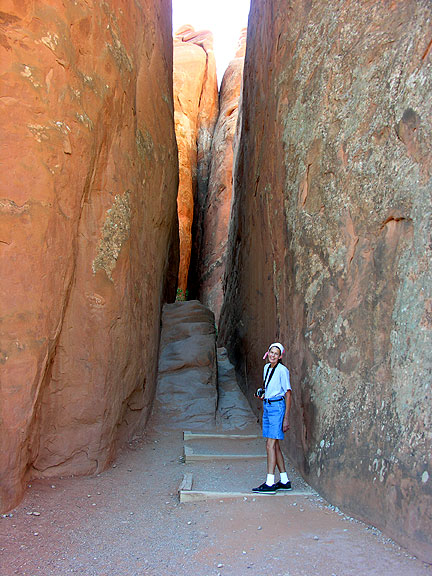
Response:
column 286, row 422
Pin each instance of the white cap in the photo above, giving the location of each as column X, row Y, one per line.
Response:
column 277, row 345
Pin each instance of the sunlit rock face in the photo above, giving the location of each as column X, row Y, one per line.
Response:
column 217, row 207
column 88, row 229
column 330, row 246
column 196, row 109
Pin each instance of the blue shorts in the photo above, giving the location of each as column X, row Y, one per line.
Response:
column 273, row 416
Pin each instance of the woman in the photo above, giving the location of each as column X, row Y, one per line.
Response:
column 276, row 397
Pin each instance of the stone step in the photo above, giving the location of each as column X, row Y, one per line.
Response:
column 190, row 455
column 188, row 435
column 202, row 495
column 188, row 494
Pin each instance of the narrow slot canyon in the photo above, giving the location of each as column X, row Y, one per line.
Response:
column 157, row 232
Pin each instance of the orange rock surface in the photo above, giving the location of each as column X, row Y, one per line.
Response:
column 217, row 208
column 330, row 247
column 88, row 237
column 196, row 107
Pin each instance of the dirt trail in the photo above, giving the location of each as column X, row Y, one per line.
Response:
column 128, row 521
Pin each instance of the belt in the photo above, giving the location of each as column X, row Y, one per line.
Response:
column 270, row 400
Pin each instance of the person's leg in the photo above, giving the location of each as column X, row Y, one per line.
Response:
column 280, row 462
column 284, row 482
column 271, row 455
column 268, row 429
column 269, row 485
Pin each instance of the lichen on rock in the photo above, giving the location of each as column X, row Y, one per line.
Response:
column 78, row 79
column 115, row 232
column 144, row 144
column 329, row 246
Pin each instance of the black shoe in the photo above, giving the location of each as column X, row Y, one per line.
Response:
column 282, row 486
column 265, row 489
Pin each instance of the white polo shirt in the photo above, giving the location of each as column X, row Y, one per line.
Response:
column 280, row 382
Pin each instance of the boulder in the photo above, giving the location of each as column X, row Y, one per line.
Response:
column 88, row 229
column 187, row 379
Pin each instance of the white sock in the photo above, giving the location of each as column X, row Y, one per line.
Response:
column 283, row 477
column 270, row 480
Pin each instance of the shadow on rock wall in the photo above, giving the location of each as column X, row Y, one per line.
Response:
column 330, row 246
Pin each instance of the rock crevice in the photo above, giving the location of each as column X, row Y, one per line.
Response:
column 216, row 209
column 196, row 108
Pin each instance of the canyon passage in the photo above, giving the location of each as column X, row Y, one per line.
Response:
column 296, row 207
column 129, row 520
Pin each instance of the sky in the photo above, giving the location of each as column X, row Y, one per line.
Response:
column 225, row 18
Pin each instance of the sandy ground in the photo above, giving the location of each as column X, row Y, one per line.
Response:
column 128, row 521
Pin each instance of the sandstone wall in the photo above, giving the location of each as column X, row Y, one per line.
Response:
column 217, row 205
column 196, row 108
column 88, row 229
column 330, row 246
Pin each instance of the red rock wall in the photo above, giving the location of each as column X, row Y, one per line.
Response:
column 88, row 229
column 330, row 246
column 196, row 108
column 217, row 206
